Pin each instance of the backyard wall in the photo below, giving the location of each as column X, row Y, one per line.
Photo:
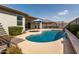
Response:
column 74, row 40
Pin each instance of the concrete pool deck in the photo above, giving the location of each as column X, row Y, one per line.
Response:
column 28, row 47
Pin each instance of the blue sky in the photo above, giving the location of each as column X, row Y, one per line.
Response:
column 55, row 12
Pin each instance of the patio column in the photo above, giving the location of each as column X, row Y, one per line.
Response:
column 40, row 25
column 23, row 24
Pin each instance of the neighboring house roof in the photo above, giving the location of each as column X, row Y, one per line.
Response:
column 44, row 21
column 15, row 11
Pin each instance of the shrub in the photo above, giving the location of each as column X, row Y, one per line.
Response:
column 74, row 28
column 13, row 50
column 15, row 30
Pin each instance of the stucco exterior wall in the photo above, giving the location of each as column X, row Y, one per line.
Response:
column 32, row 25
column 9, row 19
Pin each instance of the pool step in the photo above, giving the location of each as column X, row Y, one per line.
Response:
column 60, row 34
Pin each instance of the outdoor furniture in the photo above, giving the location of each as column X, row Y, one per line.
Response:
column 6, row 39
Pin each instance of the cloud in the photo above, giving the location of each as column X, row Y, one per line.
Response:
column 63, row 12
column 57, row 17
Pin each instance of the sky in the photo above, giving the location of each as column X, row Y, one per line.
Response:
column 54, row 12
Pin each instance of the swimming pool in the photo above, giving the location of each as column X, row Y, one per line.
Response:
column 46, row 36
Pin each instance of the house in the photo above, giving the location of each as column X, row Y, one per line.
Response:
column 61, row 24
column 48, row 23
column 12, row 17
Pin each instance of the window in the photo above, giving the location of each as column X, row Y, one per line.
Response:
column 19, row 20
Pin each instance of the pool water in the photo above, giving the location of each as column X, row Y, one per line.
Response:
column 46, row 36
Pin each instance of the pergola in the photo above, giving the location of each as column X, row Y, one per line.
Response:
column 39, row 21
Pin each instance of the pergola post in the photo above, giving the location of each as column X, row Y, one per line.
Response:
column 40, row 25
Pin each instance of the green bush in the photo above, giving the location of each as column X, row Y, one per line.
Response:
column 15, row 30
column 78, row 34
column 74, row 28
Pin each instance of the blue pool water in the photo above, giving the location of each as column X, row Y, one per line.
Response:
column 46, row 36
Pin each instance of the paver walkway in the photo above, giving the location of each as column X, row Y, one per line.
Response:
column 68, row 48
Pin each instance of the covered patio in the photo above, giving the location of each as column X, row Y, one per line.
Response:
column 29, row 22
column 38, row 23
